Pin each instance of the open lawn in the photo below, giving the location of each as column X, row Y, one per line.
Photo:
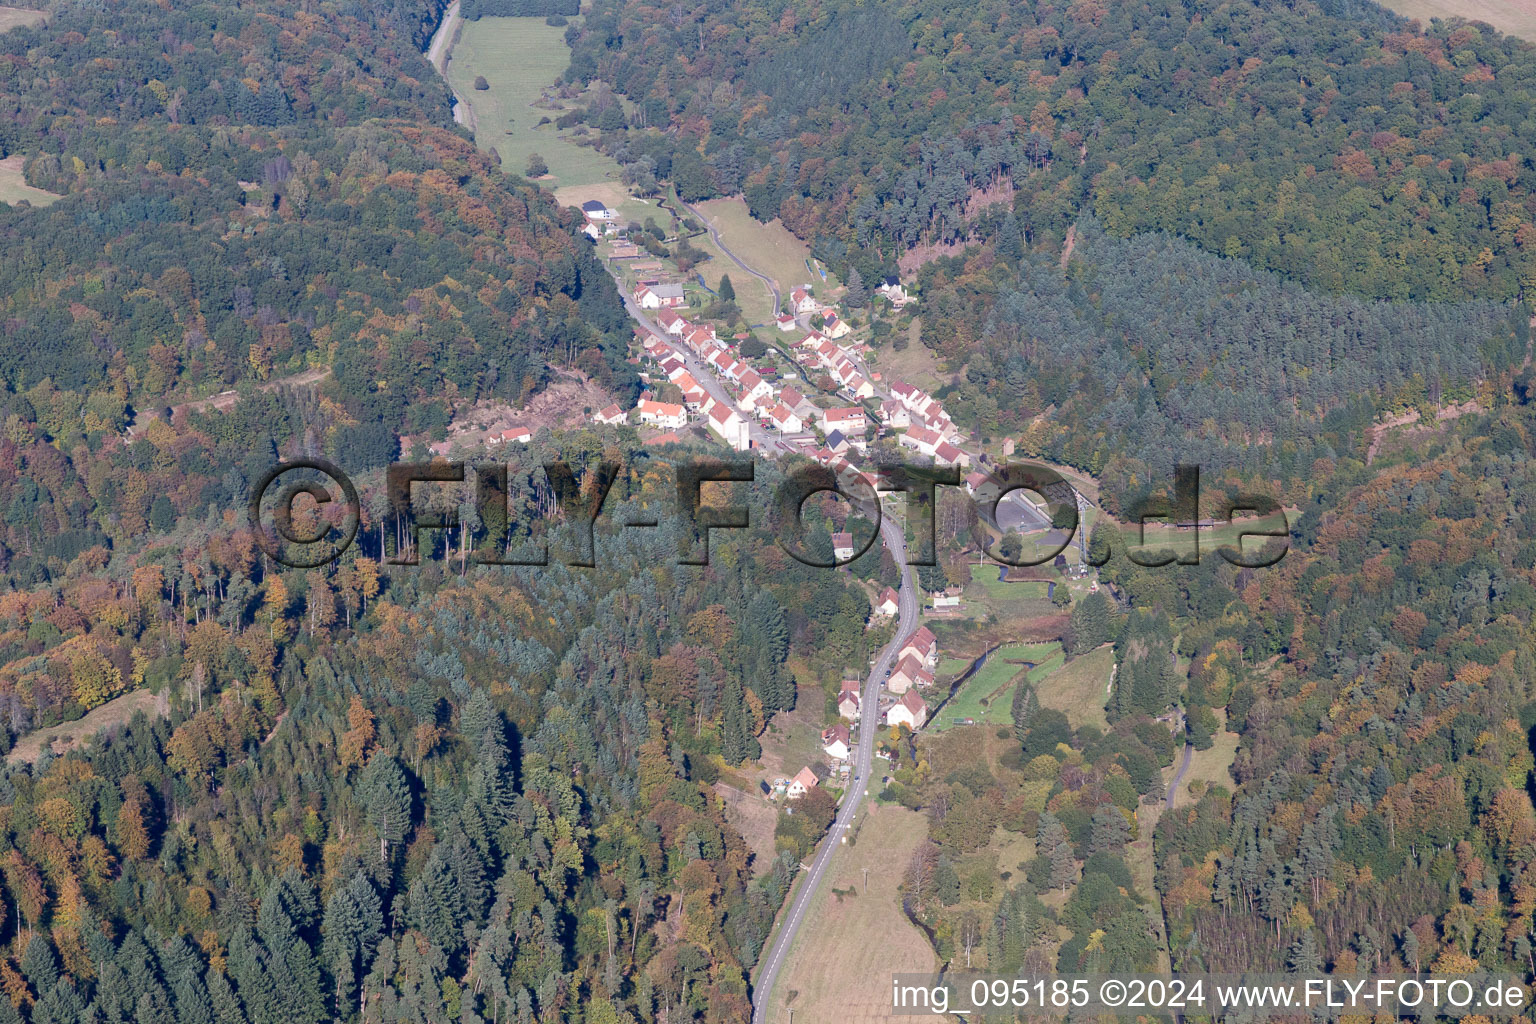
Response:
column 752, row 296
column 520, row 58
column 986, row 576
column 114, row 714
column 1208, row 766
column 13, row 187
column 840, row 967
column 1077, row 688
column 914, row 364
column 16, row 17
column 1517, row 17
column 985, row 696
column 767, row 248
column 1209, row 539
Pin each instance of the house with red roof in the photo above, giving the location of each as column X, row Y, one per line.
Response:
column 909, row 711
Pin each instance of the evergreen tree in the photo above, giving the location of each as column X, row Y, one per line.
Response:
column 737, row 742
column 1089, row 624
column 1025, row 709
column 726, row 291
column 387, row 797
column 39, row 965
column 857, row 295
column 1110, row 831
column 1303, row 956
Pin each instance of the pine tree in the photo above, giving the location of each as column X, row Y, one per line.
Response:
column 726, row 291
column 1303, row 956
column 1025, row 707
column 353, row 922
column 737, row 743
column 1110, row 830
column 40, row 966
column 387, row 797
column 857, row 295
column 1089, row 624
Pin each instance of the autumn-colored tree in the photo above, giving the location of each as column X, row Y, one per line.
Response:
column 358, row 741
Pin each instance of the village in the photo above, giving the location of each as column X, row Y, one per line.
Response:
column 809, row 390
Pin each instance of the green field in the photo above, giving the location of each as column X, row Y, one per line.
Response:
column 13, row 187
column 1078, row 688
column 985, row 576
column 519, row 58
column 16, row 17
column 768, row 248
column 1179, row 541
column 984, row 696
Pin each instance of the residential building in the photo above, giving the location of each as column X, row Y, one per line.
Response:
column 782, row 418
column 834, row 740
column 910, row 711
column 802, row 301
column 803, row 782
column 610, row 415
column 663, row 414
column 888, row 603
column 923, row 644
column 842, row 546
column 850, row 420
column 519, row 435
column 848, row 700
column 894, row 414
column 660, row 296
column 732, row 429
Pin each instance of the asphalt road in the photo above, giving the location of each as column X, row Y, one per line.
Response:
column 789, row 927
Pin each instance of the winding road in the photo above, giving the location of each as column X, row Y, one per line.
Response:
column 794, row 917
column 714, row 236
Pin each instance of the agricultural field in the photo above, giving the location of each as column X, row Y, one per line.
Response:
column 521, row 58
column 13, row 187
column 16, row 17
column 840, row 965
column 1516, row 17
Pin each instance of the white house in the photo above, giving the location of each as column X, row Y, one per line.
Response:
column 663, row 414
column 731, row 427
column 660, row 296
column 910, row 711
column 850, row 420
column 802, row 783
column 923, row 644
column 921, row 438
column 894, row 414
column 785, row 420
column 611, row 415
column 893, row 290
column 520, row 435
column 848, row 700
column 785, row 322
column 887, row 604
column 834, row 740
column 802, row 301
column 672, row 323
column 946, row 454
column 596, row 209
column 842, row 546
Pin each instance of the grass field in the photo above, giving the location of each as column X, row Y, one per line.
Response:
column 1208, row 766
column 768, row 248
column 13, row 187
column 115, row 713
column 914, row 364
column 985, row 696
column 986, row 575
column 841, row 964
column 1179, row 541
column 519, row 58
column 1077, row 689
column 1516, row 17
column 16, row 17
